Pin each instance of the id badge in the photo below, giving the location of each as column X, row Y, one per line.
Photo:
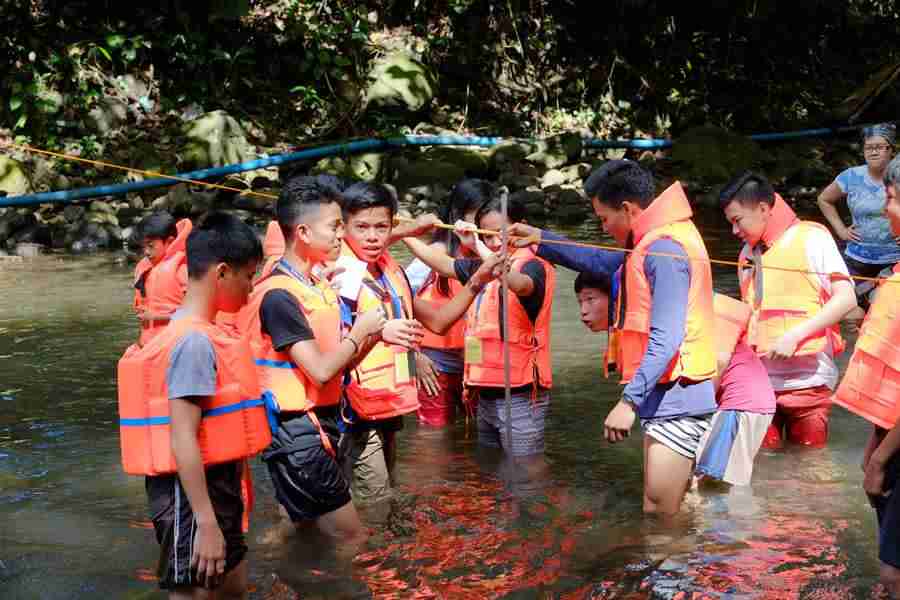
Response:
column 404, row 367
column 474, row 354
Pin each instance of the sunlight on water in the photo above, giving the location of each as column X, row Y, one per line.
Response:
column 463, row 523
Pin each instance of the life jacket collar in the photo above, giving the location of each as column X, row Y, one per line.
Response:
column 179, row 244
column 781, row 219
column 669, row 207
column 274, row 244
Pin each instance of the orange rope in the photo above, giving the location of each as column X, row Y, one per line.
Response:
column 715, row 261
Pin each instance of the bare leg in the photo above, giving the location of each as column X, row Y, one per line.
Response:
column 890, row 579
column 344, row 527
column 234, row 587
column 667, row 476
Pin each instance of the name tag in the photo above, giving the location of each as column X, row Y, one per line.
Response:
column 474, row 354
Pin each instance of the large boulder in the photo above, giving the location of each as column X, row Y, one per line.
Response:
column 399, row 80
column 557, row 151
column 474, row 162
column 423, row 170
column 712, row 156
column 13, row 178
column 213, row 140
column 366, row 167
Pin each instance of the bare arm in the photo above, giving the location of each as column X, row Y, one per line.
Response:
column 432, row 255
column 439, row 320
column 322, row 367
column 519, row 283
column 209, row 553
column 827, row 201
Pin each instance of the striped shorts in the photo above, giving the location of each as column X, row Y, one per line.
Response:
column 528, row 418
column 679, row 434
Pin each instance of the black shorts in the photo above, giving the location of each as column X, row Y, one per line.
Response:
column 888, row 511
column 173, row 521
column 308, row 481
column 864, row 289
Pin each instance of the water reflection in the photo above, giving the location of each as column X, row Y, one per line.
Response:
column 464, row 523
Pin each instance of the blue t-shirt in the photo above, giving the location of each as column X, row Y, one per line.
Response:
column 865, row 199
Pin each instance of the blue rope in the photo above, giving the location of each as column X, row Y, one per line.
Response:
column 355, row 147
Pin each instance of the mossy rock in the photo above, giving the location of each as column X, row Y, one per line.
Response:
column 505, row 156
column 425, row 171
column 712, row 155
column 14, row 179
column 213, row 140
column 557, row 151
column 398, row 80
column 366, row 167
column 474, row 162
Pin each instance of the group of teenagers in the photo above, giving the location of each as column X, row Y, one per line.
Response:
column 311, row 347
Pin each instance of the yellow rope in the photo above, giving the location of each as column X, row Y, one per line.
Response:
column 490, row 232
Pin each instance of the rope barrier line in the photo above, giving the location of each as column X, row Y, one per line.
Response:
column 715, row 261
column 98, row 163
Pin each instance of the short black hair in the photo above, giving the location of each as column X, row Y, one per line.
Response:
column 748, row 189
column 157, row 226
column 338, row 183
column 221, row 237
column 515, row 209
column 620, row 180
column 363, row 195
column 594, row 281
column 302, row 195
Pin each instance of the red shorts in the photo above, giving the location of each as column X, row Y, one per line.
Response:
column 801, row 417
column 440, row 410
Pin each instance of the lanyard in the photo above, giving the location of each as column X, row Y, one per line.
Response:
column 292, row 272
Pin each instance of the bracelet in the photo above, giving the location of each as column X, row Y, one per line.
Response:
column 476, row 288
column 355, row 345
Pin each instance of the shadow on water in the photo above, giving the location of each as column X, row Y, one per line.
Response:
column 464, row 523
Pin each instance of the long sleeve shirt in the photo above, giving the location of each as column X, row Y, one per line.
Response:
column 669, row 279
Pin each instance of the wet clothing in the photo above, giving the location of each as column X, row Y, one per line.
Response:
column 669, row 279
column 175, row 526
column 730, row 445
column 744, row 384
column 887, row 510
column 365, row 463
column 528, row 417
column 681, row 435
column 801, row 417
column 440, row 410
column 865, row 199
column 308, row 481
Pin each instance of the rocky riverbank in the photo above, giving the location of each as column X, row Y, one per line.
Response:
column 546, row 176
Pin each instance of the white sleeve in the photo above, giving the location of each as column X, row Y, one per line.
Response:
column 824, row 258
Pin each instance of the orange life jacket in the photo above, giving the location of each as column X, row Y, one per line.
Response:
column 871, row 383
column 529, row 343
column 667, row 217
column 732, row 317
column 273, row 250
column 790, row 294
column 383, row 384
column 454, row 338
column 234, row 424
column 165, row 283
column 291, row 387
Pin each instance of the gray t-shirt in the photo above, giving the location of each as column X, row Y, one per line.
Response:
column 192, row 367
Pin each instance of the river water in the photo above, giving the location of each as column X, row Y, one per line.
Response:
column 464, row 523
